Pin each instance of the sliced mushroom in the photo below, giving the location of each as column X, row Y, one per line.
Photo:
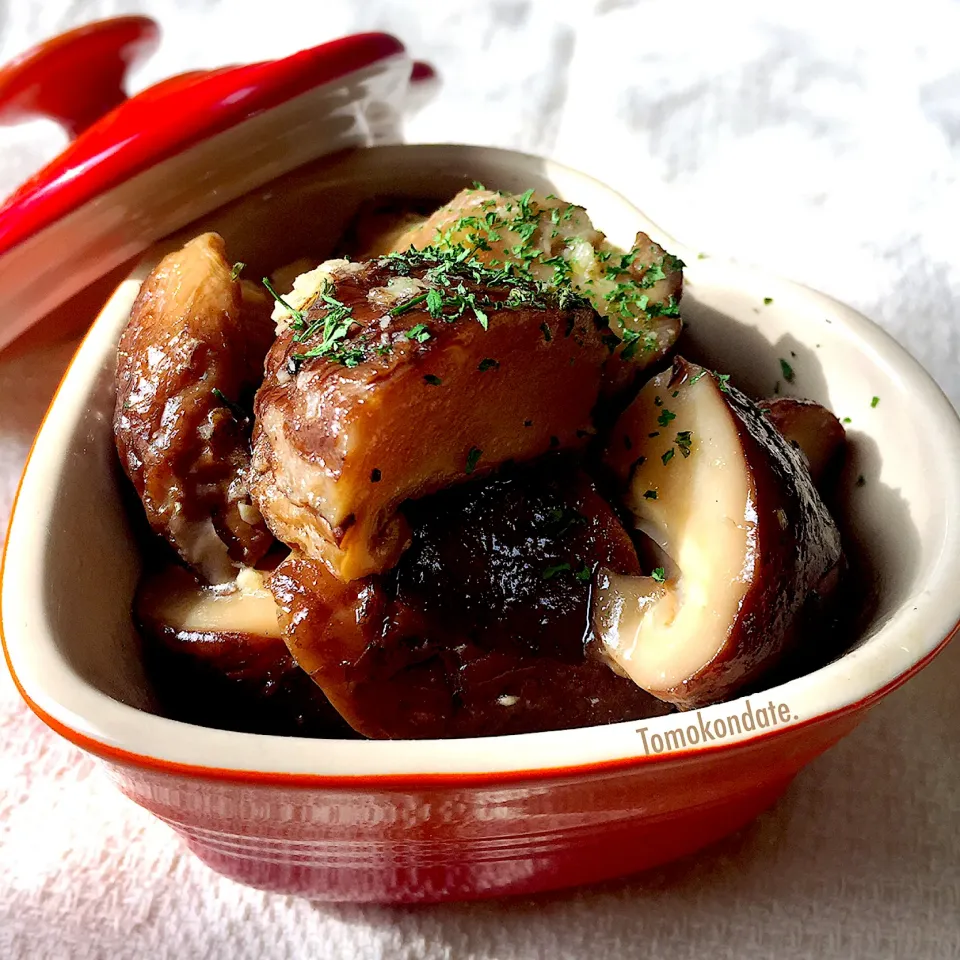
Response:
column 814, row 430
column 216, row 657
column 732, row 505
column 190, row 357
column 411, row 401
column 173, row 599
column 555, row 242
column 479, row 630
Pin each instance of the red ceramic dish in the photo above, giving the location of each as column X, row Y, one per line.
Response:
column 42, row 81
column 424, row 820
column 120, row 185
column 435, row 820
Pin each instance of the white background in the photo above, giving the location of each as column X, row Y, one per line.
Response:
column 820, row 140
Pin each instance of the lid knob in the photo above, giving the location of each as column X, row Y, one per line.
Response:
column 77, row 77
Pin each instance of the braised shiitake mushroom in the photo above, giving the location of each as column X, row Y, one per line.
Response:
column 451, row 508
column 733, row 506
column 637, row 292
column 814, row 431
column 481, row 627
column 217, row 657
column 419, row 389
column 191, row 353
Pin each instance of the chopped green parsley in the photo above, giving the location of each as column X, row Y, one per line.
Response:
column 238, row 412
column 419, row 332
column 409, row 305
column 665, row 417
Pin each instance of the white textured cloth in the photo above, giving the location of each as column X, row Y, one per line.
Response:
column 820, row 140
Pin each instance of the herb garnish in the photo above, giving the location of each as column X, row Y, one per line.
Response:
column 874, row 401
column 375, row 475
column 332, row 327
column 667, row 457
column 409, row 305
column 435, row 303
column 665, row 417
column 473, row 458
column 659, row 574
column 238, row 412
column 787, row 370
column 521, row 224
column 650, row 495
column 237, row 270
column 432, row 379
column 562, row 520
column 550, row 572
column 418, row 332
column 296, row 314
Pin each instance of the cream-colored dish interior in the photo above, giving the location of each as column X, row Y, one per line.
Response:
column 72, row 562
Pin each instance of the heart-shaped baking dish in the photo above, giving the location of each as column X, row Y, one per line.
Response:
column 434, row 819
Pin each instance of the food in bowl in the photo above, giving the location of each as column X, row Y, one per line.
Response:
column 461, row 487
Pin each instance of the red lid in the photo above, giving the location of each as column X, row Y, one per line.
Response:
column 105, row 197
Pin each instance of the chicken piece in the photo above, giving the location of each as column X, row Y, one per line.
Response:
column 192, row 351
column 553, row 241
column 399, row 377
column 481, row 629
